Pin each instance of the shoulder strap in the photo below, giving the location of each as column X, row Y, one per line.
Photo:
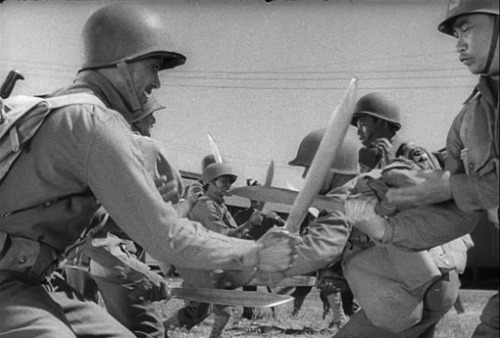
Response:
column 25, row 117
column 70, row 99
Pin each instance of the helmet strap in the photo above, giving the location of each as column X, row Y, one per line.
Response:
column 493, row 45
column 132, row 97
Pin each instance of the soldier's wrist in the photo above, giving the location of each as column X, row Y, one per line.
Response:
column 251, row 258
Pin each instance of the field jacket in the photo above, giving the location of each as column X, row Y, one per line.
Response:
column 87, row 153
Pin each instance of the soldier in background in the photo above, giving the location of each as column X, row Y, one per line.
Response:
column 211, row 211
column 330, row 280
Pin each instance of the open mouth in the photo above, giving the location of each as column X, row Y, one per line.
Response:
column 466, row 61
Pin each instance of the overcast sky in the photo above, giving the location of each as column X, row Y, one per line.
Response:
column 261, row 75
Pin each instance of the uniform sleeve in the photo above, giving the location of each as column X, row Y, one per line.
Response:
column 208, row 214
column 119, row 181
column 470, row 192
column 426, row 227
column 323, row 243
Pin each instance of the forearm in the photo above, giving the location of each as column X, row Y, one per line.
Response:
column 129, row 195
column 323, row 244
column 472, row 193
column 429, row 226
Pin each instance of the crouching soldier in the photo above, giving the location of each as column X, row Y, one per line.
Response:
column 48, row 198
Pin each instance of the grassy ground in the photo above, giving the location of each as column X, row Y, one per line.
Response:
column 309, row 322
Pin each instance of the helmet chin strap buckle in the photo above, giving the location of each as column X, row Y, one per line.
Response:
column 131, row 94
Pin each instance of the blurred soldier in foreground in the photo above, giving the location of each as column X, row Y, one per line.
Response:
column 118, row 265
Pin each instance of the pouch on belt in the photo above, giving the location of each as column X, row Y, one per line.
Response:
column 25, row 256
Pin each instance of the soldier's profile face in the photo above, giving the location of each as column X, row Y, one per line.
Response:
column 224, row 182
column 474, row 34
column 367, row 129
column 144, row 74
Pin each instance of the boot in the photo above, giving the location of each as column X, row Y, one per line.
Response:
column 222, row 315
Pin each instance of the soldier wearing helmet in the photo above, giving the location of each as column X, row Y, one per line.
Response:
column 144, row 122
column 344, row 168
column 377, row 119
column 211, row 211
column 450, row 202
column 49, row 198
column 101, row 270
column 345, row 162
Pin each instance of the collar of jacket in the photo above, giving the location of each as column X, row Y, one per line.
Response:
column 214, row 196
column 91, row 80
column 486, row 89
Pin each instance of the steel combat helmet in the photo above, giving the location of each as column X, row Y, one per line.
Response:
column 345, row 161
column 214, row 170
column 126, row 32
column 379, row 106
column 457, row 8
column 461, row 7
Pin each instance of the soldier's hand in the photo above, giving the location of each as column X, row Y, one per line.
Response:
column 150, row 290
column 277, row 250
column 430, row 187
column 383, row 145
column 194, row 192
column 255, row 218
column 360, row 212
column 167, row 189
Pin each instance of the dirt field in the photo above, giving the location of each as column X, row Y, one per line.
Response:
column 309, row 322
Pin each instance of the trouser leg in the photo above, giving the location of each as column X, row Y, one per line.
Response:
column 359, row 326
column 348, row 302
column 299, row 296
column 489, row 326
column 139, row 316
column 248, row 312
column 326, row 303
column 222, row 316
column 82, row 282
column 438, row 300
column 29, row 310
column 189, row 316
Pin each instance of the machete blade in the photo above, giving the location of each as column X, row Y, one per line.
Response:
column 230, row 297
column 281, row 196
column 267, row 183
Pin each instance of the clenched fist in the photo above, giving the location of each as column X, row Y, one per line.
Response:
column 277, row 250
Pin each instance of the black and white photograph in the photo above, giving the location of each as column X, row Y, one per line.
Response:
column 249, row 168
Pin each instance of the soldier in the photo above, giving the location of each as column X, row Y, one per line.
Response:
column 343, row 169
column 377, row 119
column 401, row 293
column 449, row 202
column 211, row 211
column 117, row 262
column 48, row 198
